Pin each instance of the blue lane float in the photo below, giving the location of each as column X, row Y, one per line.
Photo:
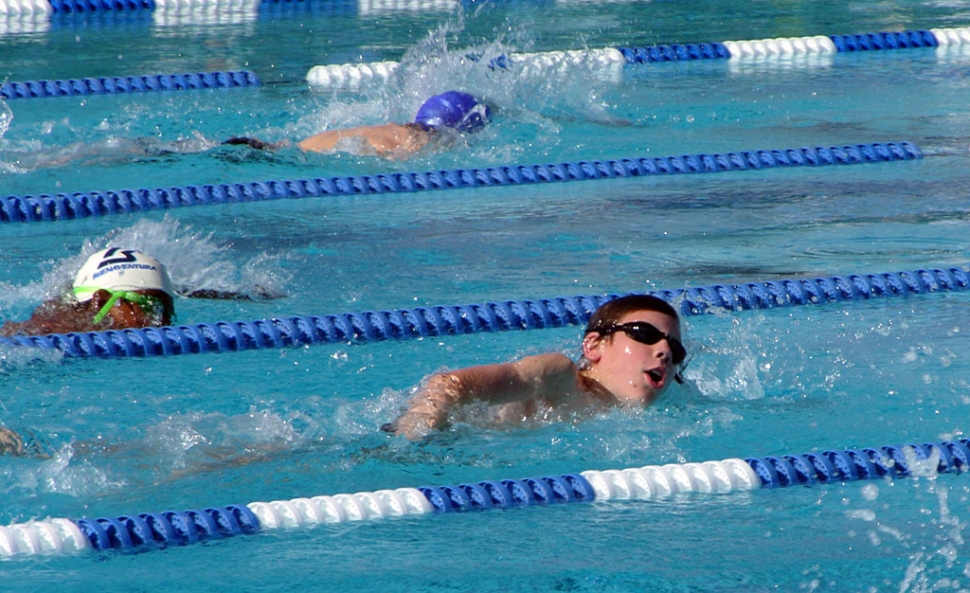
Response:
column 104, row 85
column 64, row 206
column 443, row 320
column 88, row 6
column 137, row 532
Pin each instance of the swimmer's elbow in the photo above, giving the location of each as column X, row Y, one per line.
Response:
column 322, row 142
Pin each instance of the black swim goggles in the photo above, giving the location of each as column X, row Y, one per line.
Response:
column 645, row 333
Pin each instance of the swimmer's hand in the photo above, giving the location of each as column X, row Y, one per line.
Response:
column 429, row 409
column 260, row 293
column 10, row 443
column 27, row 445
column 255, row 143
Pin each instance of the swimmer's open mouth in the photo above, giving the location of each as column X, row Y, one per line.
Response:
column 656, row 374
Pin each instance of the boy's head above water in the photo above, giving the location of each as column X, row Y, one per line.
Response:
column 632, row 347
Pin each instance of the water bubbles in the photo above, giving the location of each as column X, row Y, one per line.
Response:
column 195, row 441
column 15, row 359
column 6, row 116
column 861, row 514
column 925, row 468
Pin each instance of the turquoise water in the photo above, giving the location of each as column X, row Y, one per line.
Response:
column 130, row 436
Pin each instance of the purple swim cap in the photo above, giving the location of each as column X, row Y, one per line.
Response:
column 453, row 109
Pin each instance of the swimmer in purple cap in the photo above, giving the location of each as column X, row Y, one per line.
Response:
column 453, row 110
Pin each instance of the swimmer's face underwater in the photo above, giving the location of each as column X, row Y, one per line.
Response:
column 623, row 361
column 141, row 308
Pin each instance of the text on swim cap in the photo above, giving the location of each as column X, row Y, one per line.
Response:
column 128, row 256
column 122, row 267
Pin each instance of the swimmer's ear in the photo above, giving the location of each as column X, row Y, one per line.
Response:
column 591, row 349
column 679, row 375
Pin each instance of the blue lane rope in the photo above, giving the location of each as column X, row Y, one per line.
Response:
column 62, row 206
column 146, row 531
column 339, row 75
column 342, row 74
column 726, row 50
column 127, row 84
column 86, row 6
column 404, row 324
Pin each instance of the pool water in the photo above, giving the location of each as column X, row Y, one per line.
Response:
column 136, row 435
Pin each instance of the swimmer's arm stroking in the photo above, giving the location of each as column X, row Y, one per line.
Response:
column 545, row 376
column 322, row 142
column 394, row 141
column 383, row 138
column 259, row 293
column 255, row 143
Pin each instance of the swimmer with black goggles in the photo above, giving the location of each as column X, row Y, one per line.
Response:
column 645, row 333
column 632, row 352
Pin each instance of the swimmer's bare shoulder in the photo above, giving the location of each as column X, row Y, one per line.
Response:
column 551, row 378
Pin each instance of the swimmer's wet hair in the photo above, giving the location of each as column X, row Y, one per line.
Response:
column 250, row 142
column 611, row 313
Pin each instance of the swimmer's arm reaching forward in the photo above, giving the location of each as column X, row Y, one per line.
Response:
column 551, row 377
column 387, row 140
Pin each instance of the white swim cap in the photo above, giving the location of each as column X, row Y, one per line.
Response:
column 121, row 269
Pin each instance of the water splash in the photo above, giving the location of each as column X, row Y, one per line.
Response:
column 60, row 473
column 189, row 443
column 499, row 71
column 528, row 100
column 733, row 366
column 930, row 565
column 15, row 359
column 196, row 261
column 932, row 542
column 31, row 155
column 6, row 117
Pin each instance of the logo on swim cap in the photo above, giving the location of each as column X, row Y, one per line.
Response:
column 121, row 269
column 454, row 109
